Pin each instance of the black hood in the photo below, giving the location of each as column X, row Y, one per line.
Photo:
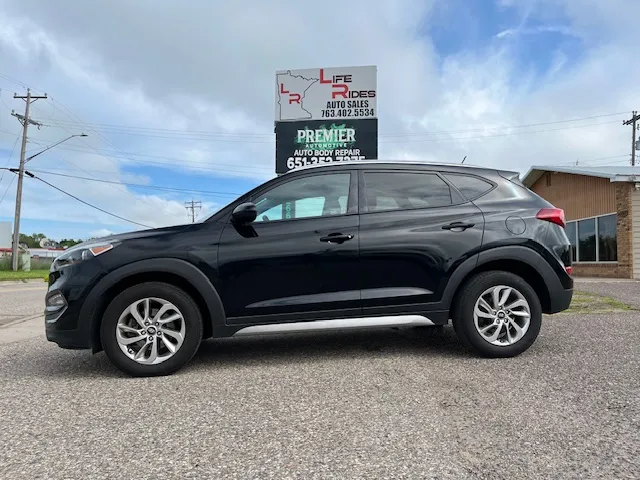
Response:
column 152, row 232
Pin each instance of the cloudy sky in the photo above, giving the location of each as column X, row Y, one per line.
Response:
column 178, row 96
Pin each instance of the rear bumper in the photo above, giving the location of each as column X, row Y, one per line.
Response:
column 560, row 300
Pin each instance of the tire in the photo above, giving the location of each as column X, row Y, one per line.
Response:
column 120, row 326
column 467, row 325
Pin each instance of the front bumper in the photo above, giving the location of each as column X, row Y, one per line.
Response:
column 62, row 327
column 71, row 339
column 64, row 321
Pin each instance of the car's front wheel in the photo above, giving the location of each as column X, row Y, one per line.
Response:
column 497, row 314
column 151, row 329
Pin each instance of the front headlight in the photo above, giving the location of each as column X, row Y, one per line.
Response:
column 81, row 253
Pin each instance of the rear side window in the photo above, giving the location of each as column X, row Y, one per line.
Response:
column 470, row 187
column 386, row 191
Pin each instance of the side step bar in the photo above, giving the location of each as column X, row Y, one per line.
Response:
column 320, row 325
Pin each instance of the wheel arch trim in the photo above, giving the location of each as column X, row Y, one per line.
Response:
column 517, row 253
column 188, row 273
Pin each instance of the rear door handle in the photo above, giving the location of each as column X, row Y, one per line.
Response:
column 458, row 226
column 336, row 238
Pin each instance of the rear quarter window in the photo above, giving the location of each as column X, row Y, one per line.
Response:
column 470, row 187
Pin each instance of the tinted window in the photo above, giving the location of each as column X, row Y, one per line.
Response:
column 405, row 190
column 315, row 196
column 571, row 233
column 470, row 187
column 587, row 240
column 607, row 239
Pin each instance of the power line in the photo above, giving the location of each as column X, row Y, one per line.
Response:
column 129, row 155
column 7, row 189
column 140, row 185
column 89, row 204
column 10, row 155
column 129, row 129
column 382, row 137
column 124, row 190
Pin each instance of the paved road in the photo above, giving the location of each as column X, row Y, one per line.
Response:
column 379, row 404
column 19, row 300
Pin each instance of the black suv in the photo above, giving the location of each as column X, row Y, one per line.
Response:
column 349, row 245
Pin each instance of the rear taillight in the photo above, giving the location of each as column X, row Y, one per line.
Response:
column 569, row 270
column 553, row 215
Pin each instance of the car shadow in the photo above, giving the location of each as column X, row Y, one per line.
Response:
column 312, row 347
column 272, row 349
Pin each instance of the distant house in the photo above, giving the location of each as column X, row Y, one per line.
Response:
column 602, row 209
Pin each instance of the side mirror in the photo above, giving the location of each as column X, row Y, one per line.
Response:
column 244, row 213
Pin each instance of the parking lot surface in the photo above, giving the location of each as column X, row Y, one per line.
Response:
column 374, row 404
column 19, row 300
column 626, row 291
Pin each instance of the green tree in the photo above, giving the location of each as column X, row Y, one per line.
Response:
column 68, row 242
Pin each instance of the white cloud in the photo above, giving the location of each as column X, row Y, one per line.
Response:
column 103, row 232
column 512, row 32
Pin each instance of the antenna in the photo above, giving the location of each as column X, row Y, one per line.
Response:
column 465, row 157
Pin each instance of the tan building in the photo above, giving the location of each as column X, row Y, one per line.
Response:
column 602, row 209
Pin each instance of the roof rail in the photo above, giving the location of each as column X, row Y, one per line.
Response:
column 377, row 161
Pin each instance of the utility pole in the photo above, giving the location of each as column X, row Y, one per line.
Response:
column 632, row 121
column 191, row 207
column 25, row 121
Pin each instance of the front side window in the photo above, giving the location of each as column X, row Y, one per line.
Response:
column 405, row 191
column 308, row 197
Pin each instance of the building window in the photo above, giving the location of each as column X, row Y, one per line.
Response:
column 571, row 233
column 607, row 239
column 587, row 240
column 594, row 239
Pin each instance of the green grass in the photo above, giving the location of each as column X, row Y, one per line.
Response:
column 583, row 302
column 20, row 275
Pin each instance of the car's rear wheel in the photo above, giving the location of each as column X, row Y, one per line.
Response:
column 151, row 329
column 497, row 314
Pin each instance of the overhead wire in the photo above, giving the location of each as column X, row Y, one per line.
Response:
column 121, row 190
column 7, row 189
column 90, row 204
column 133, row 128
column 141, row 185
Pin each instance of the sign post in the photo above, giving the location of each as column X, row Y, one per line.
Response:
column 325, row 115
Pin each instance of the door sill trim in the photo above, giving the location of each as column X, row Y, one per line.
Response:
column 342, row 323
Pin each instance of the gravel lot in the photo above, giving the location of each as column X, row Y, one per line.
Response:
column 377, row 404
column 624, row 291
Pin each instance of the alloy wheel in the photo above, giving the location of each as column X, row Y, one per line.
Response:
column 502, row 315
column 150, row 330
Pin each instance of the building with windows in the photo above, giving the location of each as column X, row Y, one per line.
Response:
column 602, row 210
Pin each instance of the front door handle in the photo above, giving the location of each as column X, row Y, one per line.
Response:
column 458, row 226
column 336, row 238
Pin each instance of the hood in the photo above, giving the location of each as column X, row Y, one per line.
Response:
column 152, row 232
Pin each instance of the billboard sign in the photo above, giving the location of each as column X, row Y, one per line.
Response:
column 326, row 93
column 299, row 144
